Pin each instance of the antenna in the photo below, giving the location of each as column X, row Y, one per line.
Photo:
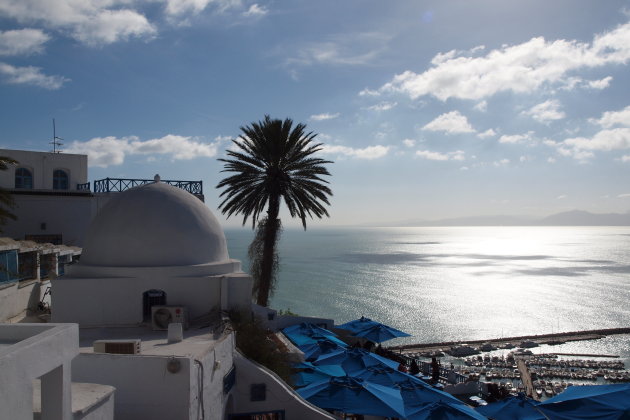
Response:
column 56, row 140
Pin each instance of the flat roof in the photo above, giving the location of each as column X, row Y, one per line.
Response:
column 197, row 340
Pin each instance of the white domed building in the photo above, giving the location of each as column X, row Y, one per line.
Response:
column 156, row 246
column 153, row 243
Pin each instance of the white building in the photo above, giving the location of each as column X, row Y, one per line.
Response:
column 26, row 268
column 52, row 196
column 153, row 255
column 54, row 199
column 35, row 361
column 156, row 247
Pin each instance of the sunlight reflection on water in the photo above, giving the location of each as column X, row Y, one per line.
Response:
column 457, row 283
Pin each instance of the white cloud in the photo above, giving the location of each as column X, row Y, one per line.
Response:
column 600, row 84
column 451, row 122
column 93, row 22
column 488, row 133
column 369, row 153
column 546, row 111
column 256, row 11
column 623, row 195
column 516, row 138
column 481, row 106
column 502, row 162
column 323, row 117
column 22, row 41
column 30, row 76
column 561, row 197
column 521, row 68
column 551, row 160
column 409, row 142
column 369, row 92
column 427, row 154
column 177, row 8
column 108, row 151
column 382, row 106
column 625, row 158
column 179, row 147
column 612, row 118
column 604, row 140
column 353, row 49
column 110, row 26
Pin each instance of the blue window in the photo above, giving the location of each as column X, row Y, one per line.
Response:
column 8, row 266
column 60, row 180
column 23, row 179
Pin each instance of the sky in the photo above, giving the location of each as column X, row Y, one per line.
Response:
column 428, row 109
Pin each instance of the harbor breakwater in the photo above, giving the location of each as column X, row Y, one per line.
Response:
column 551, row 338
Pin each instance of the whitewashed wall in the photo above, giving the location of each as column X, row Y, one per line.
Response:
column 42, row 165
column 116, row 298
column 38, row 351
column 68, row 215
column 145, row 389
column 279, row 395
column 17, row 297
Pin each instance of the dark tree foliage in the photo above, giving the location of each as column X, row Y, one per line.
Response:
column 273, row 162
column 6, row 200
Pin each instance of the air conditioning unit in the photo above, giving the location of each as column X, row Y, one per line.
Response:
column 117, row 346
column 161, row 316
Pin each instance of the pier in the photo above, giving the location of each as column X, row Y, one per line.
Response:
column 527, row 380
column 553, row 338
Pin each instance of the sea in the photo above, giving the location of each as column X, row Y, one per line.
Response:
column 459, row 283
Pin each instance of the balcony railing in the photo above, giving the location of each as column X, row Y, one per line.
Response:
column 121, row 184
column 83, row 187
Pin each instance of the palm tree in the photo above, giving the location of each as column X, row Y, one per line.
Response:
column 6, row 200
column 273, row 161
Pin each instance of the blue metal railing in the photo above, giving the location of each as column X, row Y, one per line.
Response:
column 121, row 184
column 83, row 187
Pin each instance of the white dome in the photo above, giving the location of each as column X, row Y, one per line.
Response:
column 154, row 225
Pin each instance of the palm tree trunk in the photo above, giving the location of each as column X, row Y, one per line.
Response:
column 269, row 252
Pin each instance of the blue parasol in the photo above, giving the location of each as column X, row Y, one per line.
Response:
column 445, row 411
column 358, row 325
column 605, row 402
column 310, row 373
column 306, row 333
column 379, row 333
column 512, row 408
column 386, row 376
column 354, row 360
column 356, row 396
column 313, row 350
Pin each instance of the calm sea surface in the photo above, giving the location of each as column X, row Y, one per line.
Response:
column 459, row 283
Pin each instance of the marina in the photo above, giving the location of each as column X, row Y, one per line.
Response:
column 512, row 367
column 511, row 342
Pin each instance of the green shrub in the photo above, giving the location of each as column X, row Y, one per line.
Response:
column 257, row 344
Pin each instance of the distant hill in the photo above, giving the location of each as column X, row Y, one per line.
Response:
column 567, row 218
column 584, row 218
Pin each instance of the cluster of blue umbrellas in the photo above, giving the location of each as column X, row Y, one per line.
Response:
column 605, row 402
column 354, row 380
column 372, row 330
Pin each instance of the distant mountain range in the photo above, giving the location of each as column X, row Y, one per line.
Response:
column 567, row 218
